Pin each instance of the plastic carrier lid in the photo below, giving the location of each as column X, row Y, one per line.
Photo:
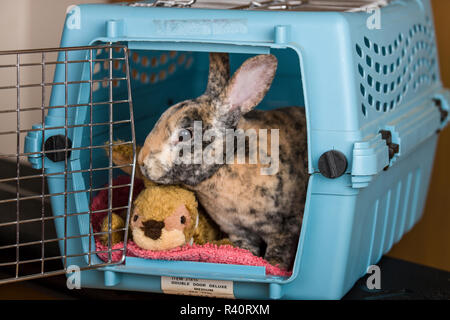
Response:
column 283, row 5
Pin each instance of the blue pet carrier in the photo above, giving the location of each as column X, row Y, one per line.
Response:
column 366, row 72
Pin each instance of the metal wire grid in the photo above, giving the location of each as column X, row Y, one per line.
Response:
column 283, row 5
column 313, row 5
column 18, row 252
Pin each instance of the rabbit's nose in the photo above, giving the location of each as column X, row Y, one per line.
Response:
column 153, row 229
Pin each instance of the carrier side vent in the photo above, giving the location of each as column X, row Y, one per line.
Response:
column 388, row 72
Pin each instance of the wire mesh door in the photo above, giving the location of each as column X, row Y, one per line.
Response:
column 62, row 113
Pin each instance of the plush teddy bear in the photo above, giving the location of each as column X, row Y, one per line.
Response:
column 162, row 217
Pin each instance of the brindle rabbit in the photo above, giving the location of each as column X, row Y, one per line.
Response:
column 257, row 211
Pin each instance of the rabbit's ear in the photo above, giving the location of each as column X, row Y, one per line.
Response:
column 250, row 83
column 219, row 73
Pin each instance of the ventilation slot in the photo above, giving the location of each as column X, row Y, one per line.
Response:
column 387, row 70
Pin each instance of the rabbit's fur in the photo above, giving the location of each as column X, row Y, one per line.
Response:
column 261, row 213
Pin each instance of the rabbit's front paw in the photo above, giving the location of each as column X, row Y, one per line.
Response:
column 250, row 244
column 281, row 251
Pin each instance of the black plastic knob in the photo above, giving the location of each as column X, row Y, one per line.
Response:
column 333, row 164
column 57, row 142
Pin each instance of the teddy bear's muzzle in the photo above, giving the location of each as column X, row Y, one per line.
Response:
column 153, row 229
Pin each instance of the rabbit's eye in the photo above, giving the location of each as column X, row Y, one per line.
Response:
column 185, row 135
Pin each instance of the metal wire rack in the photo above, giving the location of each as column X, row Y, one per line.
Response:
column 283, row 5
column 30, row 233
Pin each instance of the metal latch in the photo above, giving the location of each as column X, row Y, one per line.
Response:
column 267, row 5
column 163, row 3
column 275, row 4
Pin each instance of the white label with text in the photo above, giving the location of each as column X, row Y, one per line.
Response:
column 197, row 287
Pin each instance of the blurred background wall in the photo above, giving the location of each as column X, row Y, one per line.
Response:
column 38, row 23
column 30, row 24
column 27, row 24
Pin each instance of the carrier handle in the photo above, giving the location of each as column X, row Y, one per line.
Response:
column 163, row 3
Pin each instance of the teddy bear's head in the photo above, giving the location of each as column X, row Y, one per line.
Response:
column 164, row 217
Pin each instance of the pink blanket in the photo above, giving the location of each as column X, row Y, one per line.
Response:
column 202, row 253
